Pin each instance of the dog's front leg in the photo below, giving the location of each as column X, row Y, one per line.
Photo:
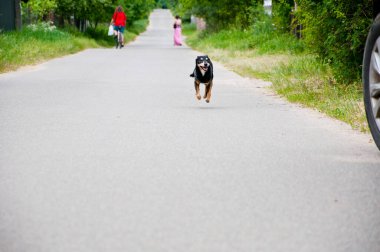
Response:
column 197, row 92
column 208, row 91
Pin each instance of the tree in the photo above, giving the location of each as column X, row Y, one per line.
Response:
column 138, row 9
column 18, row 22
column 282, row 14
column 336, row 30
column 103, row 13
column 41, row 8
column 89, row 11
column 223, row 13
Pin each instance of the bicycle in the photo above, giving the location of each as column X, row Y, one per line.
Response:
column 119, row 37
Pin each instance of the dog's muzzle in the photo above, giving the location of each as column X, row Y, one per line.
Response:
column 205, row 66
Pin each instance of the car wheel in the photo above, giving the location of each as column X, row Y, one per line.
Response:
column 371, row 81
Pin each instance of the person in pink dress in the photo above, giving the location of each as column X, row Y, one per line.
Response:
column 177, row 31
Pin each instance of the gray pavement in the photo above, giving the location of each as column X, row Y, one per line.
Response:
column 108, row 150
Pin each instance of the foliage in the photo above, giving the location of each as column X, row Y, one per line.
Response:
column 189, row 29
column 100, row 34
column 44, row 32
column 164, row 4
column 49, row 42
column 138, row 26
column 336, row 31
column 101, row 14
column 308, row 81
column 223, row 13
column 41, row 8
column 262, row 39
column 134, row 9
column 282, row 14
column 94, row 11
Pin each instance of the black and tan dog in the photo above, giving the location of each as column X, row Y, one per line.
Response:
column 203, row 73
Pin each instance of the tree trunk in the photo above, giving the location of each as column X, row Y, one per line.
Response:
column 18, row 21
column 60, row 21
column 77, row 23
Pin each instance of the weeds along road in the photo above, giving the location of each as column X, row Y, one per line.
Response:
column 108, row 150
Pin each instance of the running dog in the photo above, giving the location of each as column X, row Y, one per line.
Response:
column 203, row 73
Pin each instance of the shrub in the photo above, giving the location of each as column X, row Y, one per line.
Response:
column 281, row 12
column 336, row 31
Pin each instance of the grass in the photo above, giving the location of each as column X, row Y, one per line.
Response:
column 37, row 43
column 307, row 81
column 283, row 60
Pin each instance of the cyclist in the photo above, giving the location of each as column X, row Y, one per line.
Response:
column 119, row 20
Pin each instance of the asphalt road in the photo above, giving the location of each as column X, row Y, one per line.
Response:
column 108, row 150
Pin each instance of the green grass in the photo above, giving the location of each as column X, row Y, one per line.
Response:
column 307, row 81
column 138, row 26
column 282, row 59
column 37, row 43
column 188, row 29
column 131, row 32
column 269, row 42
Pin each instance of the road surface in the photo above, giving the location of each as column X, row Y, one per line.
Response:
column 108, row 150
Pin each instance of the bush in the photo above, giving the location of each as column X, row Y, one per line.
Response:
column 221, row 14
column 336, row 31
column 36, row 43
column 100, row 34
column 281, row 12
column 262, row 38
column 138, row 26
column 44, row 31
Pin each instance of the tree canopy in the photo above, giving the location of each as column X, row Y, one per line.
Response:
column 94, row 11
column 223, row 13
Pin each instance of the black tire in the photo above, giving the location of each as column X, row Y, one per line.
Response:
column 371, row 77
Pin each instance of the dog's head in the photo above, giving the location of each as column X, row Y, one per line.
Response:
column 203, row 62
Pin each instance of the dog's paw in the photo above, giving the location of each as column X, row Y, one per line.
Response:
column 198, row 96
column 207, row 100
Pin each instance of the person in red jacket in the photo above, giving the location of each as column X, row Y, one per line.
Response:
column 119, row 21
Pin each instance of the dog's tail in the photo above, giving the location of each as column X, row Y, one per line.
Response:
column 192, row 74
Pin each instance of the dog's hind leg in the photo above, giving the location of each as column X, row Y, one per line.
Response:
column 208, row 91
column 197, row 91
